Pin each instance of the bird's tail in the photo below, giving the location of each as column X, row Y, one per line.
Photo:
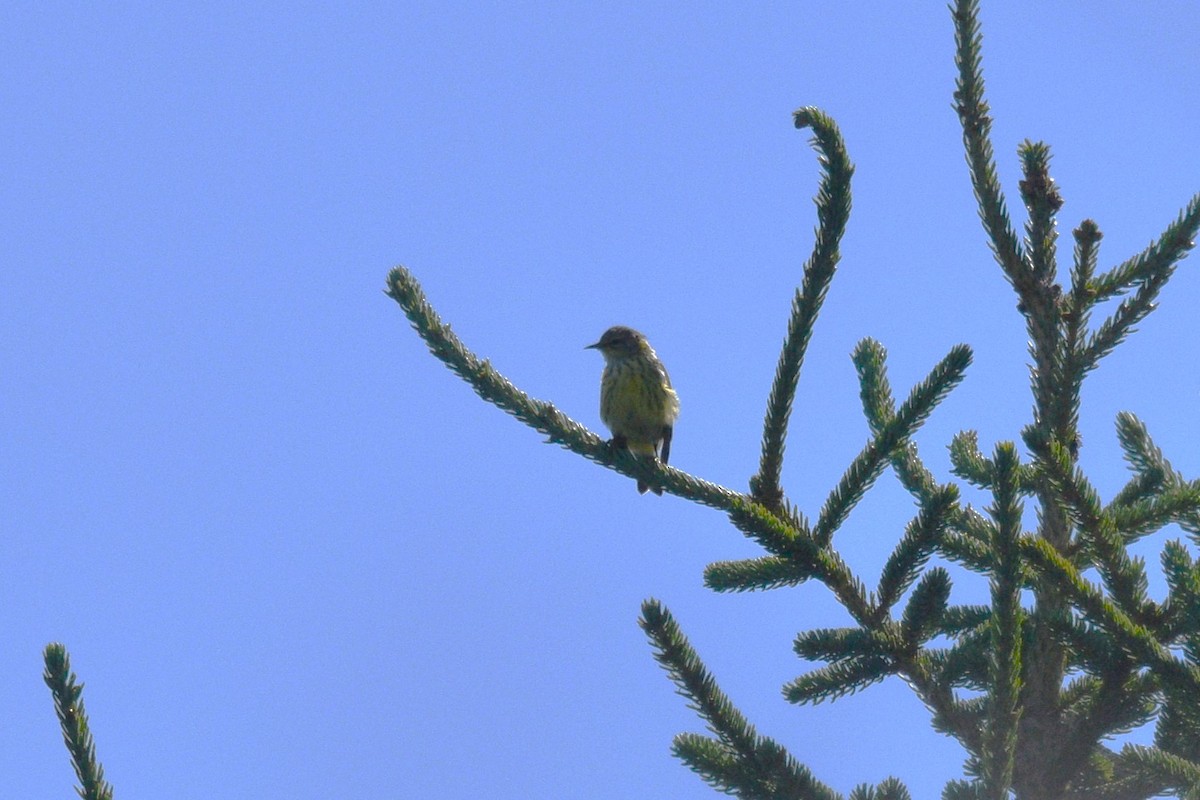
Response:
column 642, row 487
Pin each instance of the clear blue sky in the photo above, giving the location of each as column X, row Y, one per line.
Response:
column 292, row 555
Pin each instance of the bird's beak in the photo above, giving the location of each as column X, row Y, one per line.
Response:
column 595, row 346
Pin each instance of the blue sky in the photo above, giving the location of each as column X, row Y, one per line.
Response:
column 291, row 554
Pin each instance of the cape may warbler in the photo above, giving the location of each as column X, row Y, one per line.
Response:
column 637, row 402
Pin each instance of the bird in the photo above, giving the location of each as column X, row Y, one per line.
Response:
column 637, row 402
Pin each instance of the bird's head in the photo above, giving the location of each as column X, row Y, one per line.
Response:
column 620, row 341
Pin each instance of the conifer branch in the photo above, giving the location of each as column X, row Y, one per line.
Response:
column 1178, row 728
column 1129, row 313
column 1161, row 256
column 1149, row 271
column 842, row 644
column 68, row 704
column 1182, row 609
column 1115, row 703
column 1080, row 300
column 755, row 574
column 761, row 767
column 1038, row 289
column 786, row 534
column 833, row 210
column 811, row 559
column 921, row 538
column 1178, row 504
column 976, row 123
column 1153, row 474
column 879, row 409
column 963, row 790
column 560, row 429
column 1088, row 647
column 914, row 476
column 839, row 679
column 950, row 715
column 1142, row 486
column 1075, row 313
column 1042, row 201
column 967, row 664
column 970, row 542
column 721, row 768
column 887, row 789
column 849, row 590
column 675, row 654
column 1133, row 638
column 925, row 608
column 967, row 462
column 869, row 463
column 1125, row 577
column 1149, row 771
column 1141, row 453
column 959, row 620
column 1080, row 500
column 715, row 763
column 959, row 543
column 1025, row 733
column 875, row 391
column 773, row 533
column 1004, row 678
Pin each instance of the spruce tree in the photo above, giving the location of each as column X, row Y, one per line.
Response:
column 1034, row 684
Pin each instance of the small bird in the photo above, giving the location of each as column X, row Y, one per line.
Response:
column 637, row 402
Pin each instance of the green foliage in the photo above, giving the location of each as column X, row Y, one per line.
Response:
column 833, row 211
column 870, row 463
column 1004, row 680
column 738, row 760
column 890, row 789
column 915, row 548
column 68, row 704
column 1034, row 685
